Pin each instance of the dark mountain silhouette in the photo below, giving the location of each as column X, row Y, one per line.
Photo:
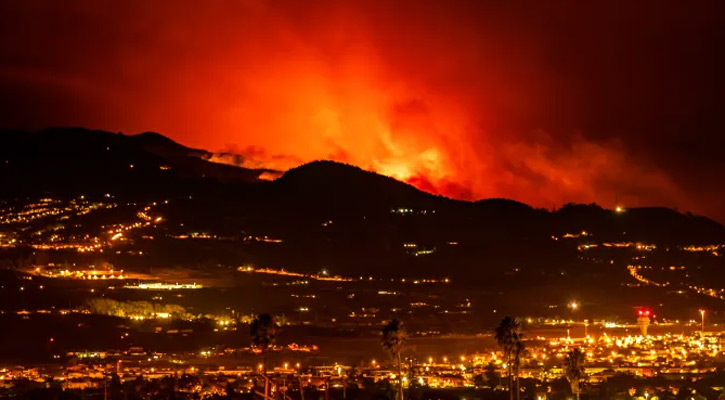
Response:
column 72, row 161
column 355, row 222
column 76, row 160
column 160, row 145
column 659, row 224
column 328, row 187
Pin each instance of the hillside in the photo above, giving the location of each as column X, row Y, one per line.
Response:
column 331, row 216
column 72, row 161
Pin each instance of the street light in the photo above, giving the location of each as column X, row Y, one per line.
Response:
column 573, row 306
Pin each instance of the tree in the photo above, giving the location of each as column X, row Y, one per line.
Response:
column 393, row 340
column 493, row 378
column 516, row 353
column 574, row 370
column 479, row 381
column 508, row 336
column 263, row 331
column 115, row 387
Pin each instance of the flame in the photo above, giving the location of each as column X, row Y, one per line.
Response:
column 449, row 97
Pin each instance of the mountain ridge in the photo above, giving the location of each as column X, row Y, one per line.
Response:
column 78, row 160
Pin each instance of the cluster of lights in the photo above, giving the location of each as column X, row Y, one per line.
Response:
column 680, row 354
column 163, row 286
column 90, row 274
column 716, row 293
column 634, row 271
column 712, row 248
column 324, row 275
column 263, row 239
column 61, row 211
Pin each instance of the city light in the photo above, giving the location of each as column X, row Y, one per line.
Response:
column 353, row 200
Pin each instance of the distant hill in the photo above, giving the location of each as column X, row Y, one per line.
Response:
column 658, row 224
column 162, row 146
column 77, row 160
column 499, row 254
column 72, row 161
column 332, row 187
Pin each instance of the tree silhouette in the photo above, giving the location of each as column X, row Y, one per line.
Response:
column 393, row 340
column 263, row 331
column 508, row 336
column 493, row 378
column 574, row 370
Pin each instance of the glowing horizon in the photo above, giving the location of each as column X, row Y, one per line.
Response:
column 472, row 100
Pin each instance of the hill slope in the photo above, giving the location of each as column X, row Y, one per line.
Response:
column 77, row 160
column 72, row 161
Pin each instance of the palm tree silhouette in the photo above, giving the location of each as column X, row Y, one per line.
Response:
column 574, row 370
column 508, row 336
column 393, row 340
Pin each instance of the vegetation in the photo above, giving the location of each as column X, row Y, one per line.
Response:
column 263, row 332
column 509, row 337
column 574, row 370
column 136, row 309
column 393, row 340
column 493, row 378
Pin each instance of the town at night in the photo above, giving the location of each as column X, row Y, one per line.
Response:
column 374, row 199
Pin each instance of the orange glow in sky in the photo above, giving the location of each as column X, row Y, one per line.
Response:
column 467, row 99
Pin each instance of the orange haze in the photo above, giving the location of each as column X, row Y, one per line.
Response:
column 467, row 99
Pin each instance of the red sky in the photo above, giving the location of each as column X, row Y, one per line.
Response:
column 543, row 102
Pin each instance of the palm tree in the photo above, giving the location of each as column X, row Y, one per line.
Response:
column 574, row 370
column 508, row 336
column 393, row 340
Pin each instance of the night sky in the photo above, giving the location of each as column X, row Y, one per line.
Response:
column 543, row 102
